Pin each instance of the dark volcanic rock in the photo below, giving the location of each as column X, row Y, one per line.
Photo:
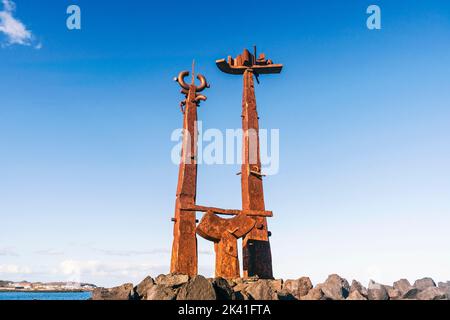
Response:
column 394, row 294
column 335, row 288
column 277, row 285
column 241, row 295
column 183, row 287
column 240, row 290
column 357, row 286
column 298, row 288
column 172, row 280
column 285, row 295
column 356, row 295
column 123, row 292
column 432, row 293
column 161, row 292
column 424, row 283
column 142, row 288
column 197, row 288
column 223, row 289
column 402, row 285
column 406, row 290
column 377, row 291
column 261, row 290
column 314, row 294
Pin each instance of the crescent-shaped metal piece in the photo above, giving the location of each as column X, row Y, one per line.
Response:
column 203, row 83
column 180, row 79
column 200, row 97
column 212, row 227
column 185, row 86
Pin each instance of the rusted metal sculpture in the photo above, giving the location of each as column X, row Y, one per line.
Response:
column 257, row 257
column 249, row 223
column 184, row 248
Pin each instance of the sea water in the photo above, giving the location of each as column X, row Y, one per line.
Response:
column 45, row 295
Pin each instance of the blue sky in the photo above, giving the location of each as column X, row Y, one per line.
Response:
column 87, row 186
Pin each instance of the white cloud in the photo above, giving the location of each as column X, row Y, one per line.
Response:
column 9, row 5
column 14, row 269
column 75, row 270
column 49, row 252
column 8, row 252
column 128, row 253
column 14, row 30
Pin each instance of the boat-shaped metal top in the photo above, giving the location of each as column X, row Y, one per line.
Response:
column 247, row 61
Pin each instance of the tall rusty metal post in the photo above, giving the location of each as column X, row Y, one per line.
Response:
column 184, row 248
column 257, row 256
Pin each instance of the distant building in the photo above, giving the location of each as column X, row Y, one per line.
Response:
column 22, row 285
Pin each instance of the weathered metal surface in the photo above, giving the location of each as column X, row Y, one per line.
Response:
column 184, row 248
column 249, row 223
column 225, row 233
column 247, row 60
column 229, row 212
column 257, row 257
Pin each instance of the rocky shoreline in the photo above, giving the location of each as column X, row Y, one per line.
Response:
column 183, row 287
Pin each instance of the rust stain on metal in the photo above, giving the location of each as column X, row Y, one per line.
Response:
column 229, row 212
column 257, row 256
column 225, row 233
column 184, row 248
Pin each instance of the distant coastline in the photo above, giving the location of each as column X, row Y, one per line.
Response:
column 44, row 291
column 45, row 287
